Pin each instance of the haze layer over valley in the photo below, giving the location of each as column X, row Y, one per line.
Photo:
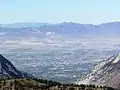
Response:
column 60, row 54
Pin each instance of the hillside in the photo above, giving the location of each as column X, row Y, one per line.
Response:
column 106, row 72
column 7, row 70
column 40, row 84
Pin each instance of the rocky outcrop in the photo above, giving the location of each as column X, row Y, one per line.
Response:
column 106, row 73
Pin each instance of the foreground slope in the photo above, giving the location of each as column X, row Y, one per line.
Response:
column 40, row 84
column 106, row 73
column 7, row 70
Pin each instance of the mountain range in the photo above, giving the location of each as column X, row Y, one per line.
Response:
column 66, row 28
column 24, row 24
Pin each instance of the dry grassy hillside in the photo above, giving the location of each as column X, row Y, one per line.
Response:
column 40, row 84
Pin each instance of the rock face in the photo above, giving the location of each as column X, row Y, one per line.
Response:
column 107, row 73
column 7, row 70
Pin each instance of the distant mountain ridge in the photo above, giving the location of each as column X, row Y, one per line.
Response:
column 106, row 73
column 66, row 28
column 23, row 25
column 7, row 70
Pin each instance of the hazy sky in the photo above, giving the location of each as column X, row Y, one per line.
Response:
column 54, row 11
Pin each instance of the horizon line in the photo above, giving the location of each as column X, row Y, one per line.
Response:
column 59, row 22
